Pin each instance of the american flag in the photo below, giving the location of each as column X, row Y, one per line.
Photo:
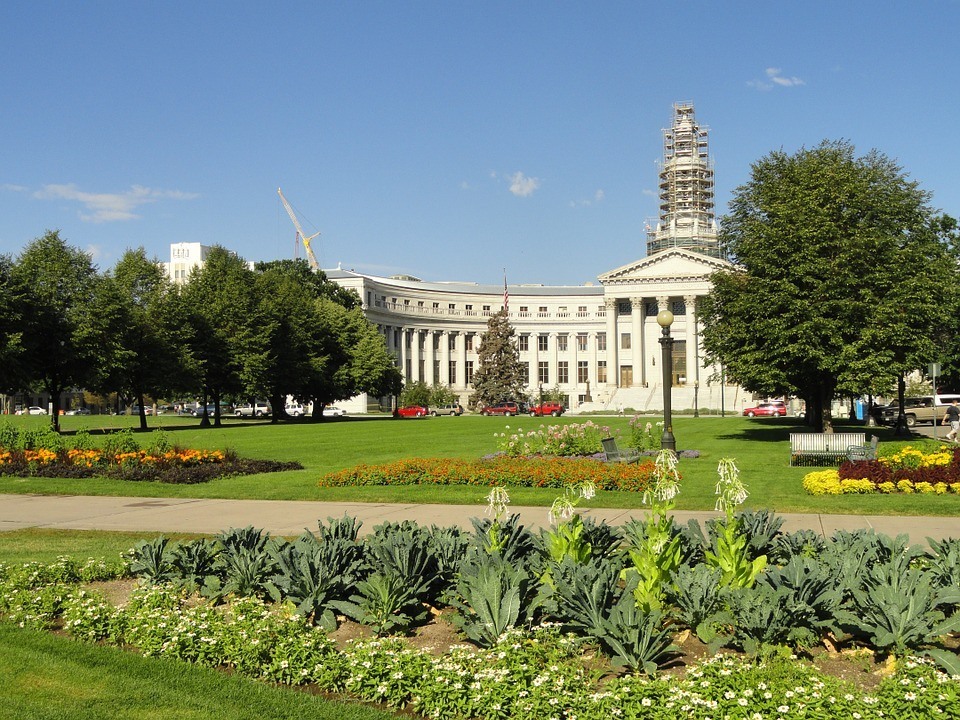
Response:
column 506, row 294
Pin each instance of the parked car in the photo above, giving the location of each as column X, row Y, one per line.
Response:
column 293, row 409
column 135, row 410
column 504, row 408
column 260, row 408
column 79, row 411
column 412, row 411
column 333, row 411
column 211, row 411
column 547, row 407
column 766, row 409
column 925, row 409
column 453, row 409
column 32, row 410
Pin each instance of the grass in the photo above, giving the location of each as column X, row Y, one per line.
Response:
column 759, row 446
column 49, row 677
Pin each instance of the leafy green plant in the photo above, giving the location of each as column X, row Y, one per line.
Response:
column 812, row 599
column 586, row 594
column 495, row 596
column 730, row 551
column 944, row 561
column 636, row 639
column 801, row 543
column 193, row 562
column 385, row 603
column 508, row 539
column 152, row 560
column 304, row 578
column 696, row 594
column 403, row 550
column 448, row 545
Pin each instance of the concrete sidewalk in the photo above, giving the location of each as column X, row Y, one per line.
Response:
column 209, row 516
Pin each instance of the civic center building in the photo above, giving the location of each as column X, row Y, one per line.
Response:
column 597, row 342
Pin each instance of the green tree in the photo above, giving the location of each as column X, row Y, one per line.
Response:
column 66, row 336
column 499, row 374
column 416, row 392
column 839, row 281
column 149, row 358
column 228, row 342
column 12, row 369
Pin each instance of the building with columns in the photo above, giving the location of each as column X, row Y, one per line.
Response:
column 598, row 342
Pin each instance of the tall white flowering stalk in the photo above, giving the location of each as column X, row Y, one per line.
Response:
column 497, row 502
column 564, row 506
column 730, row 490
column 666, row 479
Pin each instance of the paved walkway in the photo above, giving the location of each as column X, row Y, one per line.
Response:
column 291, row 518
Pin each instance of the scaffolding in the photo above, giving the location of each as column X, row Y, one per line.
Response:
column 687, row 218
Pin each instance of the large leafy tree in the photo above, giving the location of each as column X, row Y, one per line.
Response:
column 12, row 369
column 149, row 360
column 350, row 357
column 67, row 320
column 499, row 374
column 841, row 277
column 228, row 343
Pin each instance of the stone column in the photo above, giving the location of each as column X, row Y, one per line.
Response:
column 460, row 352
column 637, row 341
column 415, row 355
column 613, row 342
column 444, row 358
column 404, row 353
column 692, row 337
column 553, row 355
column 431, row 356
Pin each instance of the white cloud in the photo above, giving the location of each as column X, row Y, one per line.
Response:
column 597, row 198
column 523, row 186
column 775, row 78
column 110, row 207
column 7, row 187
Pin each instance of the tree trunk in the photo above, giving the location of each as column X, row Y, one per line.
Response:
column 901, row 429
column 143, row 411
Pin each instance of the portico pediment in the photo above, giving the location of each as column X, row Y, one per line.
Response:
column 674, row 264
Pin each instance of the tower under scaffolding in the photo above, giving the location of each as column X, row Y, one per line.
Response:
column 686, row 189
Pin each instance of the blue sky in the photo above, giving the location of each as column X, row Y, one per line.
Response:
column 448, row 140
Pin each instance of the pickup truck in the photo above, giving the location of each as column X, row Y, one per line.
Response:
column 257, row 409
column 926, row 409
column 547, row 407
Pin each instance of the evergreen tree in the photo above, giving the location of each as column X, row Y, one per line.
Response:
column 499, row 374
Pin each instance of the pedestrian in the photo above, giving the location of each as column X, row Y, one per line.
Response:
column 952, row 415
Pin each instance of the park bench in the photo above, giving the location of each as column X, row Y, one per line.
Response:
column 822, row 448
column 863, row 452
column 611, row 453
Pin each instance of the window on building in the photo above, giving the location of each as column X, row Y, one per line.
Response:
column 452, row 341
column 436, row 372
column 624, row 341
column 601, row 341
column 562, row 312
column 652, row 309
column 543, row 372
column 624, row 307
column 486, row 309
column 469, row 369
column 601, row 371
column 542, row 342
column 524, row 311
column 436, row 340
column 583, row 371
column 525, row 372
column 523, row 343
column 562, row 343
column 563, row 372
column 678, row 308
column 469, row 341
column 582, row 342
column 469, row 307
column 542, row 311
column 436, row 306
column 451, row 306
column 452, row 367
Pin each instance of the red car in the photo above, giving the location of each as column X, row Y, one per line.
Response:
column 505, row 408
column 767, row 409
column 411, row 411
column 547, row 407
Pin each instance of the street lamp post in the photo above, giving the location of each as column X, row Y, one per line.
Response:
column 664, row 320
column 696, row 390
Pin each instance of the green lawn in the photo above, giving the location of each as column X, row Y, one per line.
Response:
column 48, row 677
column 759, row 446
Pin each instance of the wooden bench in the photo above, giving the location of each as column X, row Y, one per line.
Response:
column 611, row 453
column 822, row 448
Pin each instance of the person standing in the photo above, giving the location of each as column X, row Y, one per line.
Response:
column 952, row 415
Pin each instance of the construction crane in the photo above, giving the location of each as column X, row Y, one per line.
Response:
column 311, row 258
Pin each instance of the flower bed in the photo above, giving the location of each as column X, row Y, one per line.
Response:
column 45, row 454
column 569, row 440
column 545, row 472
column 909, row 470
